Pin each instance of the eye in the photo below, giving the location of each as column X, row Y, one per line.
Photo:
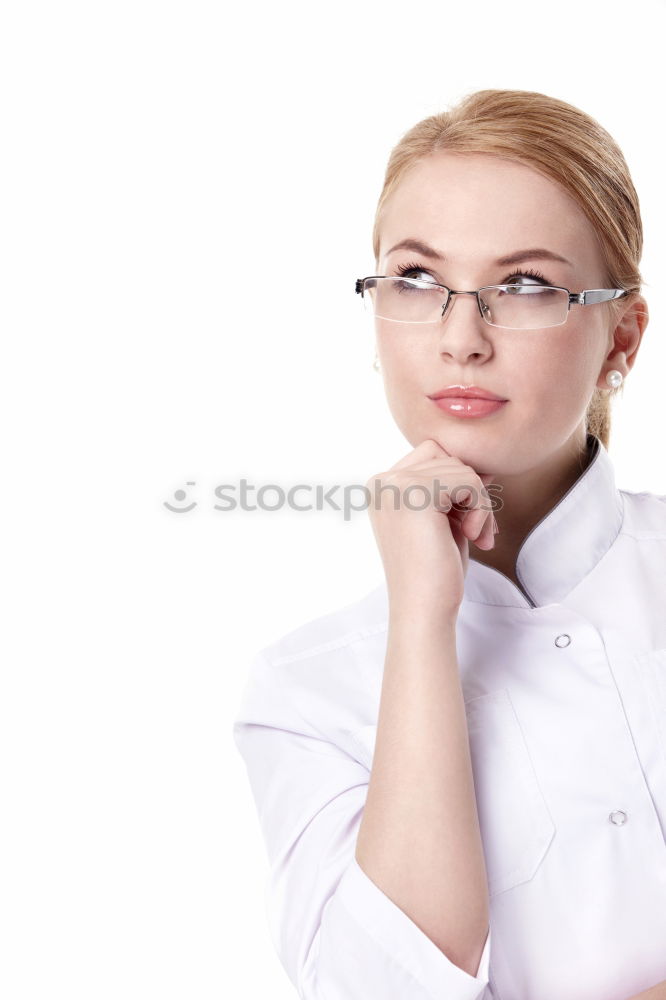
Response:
column 527, row 273
column 413, row 270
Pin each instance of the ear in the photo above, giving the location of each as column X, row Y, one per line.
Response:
column 625, row 339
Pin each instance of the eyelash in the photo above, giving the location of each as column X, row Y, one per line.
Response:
column 528, row 272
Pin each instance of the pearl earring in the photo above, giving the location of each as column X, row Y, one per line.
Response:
column 375, row 364
column 614, row 379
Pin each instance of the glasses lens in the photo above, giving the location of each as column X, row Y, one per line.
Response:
column 404, row 300
column 524, row 307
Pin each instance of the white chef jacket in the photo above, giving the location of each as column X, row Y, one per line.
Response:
column 564, row 684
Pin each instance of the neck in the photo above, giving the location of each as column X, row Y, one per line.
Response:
column 527, row 498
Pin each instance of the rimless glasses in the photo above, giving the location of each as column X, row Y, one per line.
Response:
column 511, row 307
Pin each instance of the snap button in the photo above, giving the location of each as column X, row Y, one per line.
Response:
column 563, row 640
column 618, row 817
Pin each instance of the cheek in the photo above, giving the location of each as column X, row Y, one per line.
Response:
column 407, row 380
column 406, row 361
column 410, row 372
column 559, row 370
column 578, row 348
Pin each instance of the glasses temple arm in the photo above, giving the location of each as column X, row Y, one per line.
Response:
column 594, row 295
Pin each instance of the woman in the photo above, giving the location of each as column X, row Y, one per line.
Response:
column 461, row 779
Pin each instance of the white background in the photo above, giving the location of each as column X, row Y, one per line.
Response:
column 177, row 178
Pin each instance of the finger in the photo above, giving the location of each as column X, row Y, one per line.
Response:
column 423, row 452
column 453, row 490
column 428, row 455
column 480, row 521
column 486, row 539
column 486, row 477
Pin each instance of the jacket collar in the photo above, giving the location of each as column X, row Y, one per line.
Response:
column 565, row 545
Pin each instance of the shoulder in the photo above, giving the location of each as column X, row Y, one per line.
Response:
column 320, row 676
column 333, row 630
column 644, row 514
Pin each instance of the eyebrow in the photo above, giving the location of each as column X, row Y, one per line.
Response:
column 535, row 253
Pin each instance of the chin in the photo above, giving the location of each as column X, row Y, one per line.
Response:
column 468, row 434
column 470, row 444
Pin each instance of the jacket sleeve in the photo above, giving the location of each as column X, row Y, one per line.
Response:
column 338, row 936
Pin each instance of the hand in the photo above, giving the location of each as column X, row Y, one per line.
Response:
column 425, row 551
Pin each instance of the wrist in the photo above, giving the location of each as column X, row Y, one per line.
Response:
column 419, row 619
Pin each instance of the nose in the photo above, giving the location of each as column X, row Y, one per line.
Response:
column 467, row 334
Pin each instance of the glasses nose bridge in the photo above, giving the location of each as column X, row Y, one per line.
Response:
column 454, row 291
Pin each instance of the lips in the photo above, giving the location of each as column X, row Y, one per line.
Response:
column 467, row 392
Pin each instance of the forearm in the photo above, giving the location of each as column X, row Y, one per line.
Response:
column 419, row 840
column 657, row 992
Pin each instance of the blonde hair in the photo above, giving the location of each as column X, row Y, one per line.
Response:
column 560, row 142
